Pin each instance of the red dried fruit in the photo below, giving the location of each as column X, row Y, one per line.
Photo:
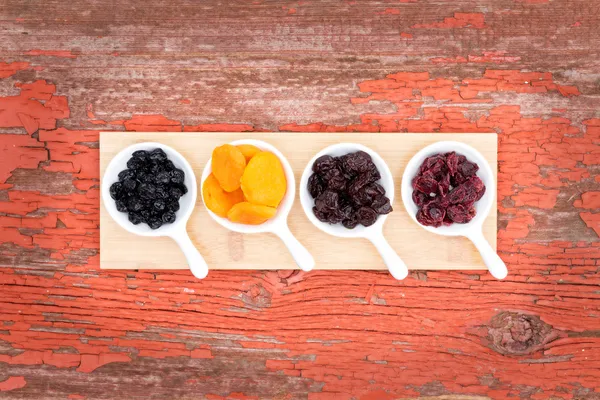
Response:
column 445, row 190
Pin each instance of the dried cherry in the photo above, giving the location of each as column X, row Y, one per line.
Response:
column 345, row 190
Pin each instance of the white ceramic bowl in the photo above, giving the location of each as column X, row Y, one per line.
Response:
column 177, row 230
column 472, row 229
column 278, row 224
column 374, row 233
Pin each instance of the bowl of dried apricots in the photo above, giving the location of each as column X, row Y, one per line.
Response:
column 248, row 186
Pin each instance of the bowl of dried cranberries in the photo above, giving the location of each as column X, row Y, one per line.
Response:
column 347, row 190
column 449, row 188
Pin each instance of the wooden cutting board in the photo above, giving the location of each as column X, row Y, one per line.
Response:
column 222, row 249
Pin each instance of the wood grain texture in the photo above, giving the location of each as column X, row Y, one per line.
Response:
column 223, row 249
column 527, row 70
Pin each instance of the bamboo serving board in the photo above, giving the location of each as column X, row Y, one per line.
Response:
column 223, row 249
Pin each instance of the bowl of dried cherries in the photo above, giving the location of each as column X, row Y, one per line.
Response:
column 448, row 188
column 347, row 190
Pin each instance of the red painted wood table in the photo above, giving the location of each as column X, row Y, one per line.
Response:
column 526, row 69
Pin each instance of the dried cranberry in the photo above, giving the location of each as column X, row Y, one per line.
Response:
column 468, row 168
column 445, row 190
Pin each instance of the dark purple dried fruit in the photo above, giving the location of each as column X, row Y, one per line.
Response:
column 341, row 186
column 381, row 205
column 358, row 162
column 366, row 216
column 323, row 164
column 328, row 200
column 315, row 186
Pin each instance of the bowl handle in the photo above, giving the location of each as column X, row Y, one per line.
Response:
column 194, row 259
column 494, row 263
column 391, row 259
column 303, row 258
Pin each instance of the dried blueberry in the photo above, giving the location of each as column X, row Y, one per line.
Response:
column 140, row 154
column 121, row 206
column 134, row 204
column 159, row 204
column 147, row 190
column 126, row 174
column 115, row 190
column 163, row 178
column 135, row 218
column 175, row 193
column 173, row 206
column 177, row 176
column 169, row 166
column 135, row 163
column 155, row 223
column 158, row 154
column 129, row 185
column 169, row 217
column 161, row 192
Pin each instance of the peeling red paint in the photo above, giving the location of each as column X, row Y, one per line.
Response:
column 12, row 383
column 9, row 69
column 51, row 53
column 459, row 20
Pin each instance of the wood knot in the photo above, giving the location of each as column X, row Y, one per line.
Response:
column 512, row 333
column 257, row 297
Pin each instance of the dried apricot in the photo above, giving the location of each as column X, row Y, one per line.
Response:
column 228, row 165
column 263, row 181
column 248, row 150
column 216, row 199
column 250, row 214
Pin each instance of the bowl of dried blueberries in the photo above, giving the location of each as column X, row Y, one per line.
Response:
column 347, row 190
column 448, row 188
column 149, row 189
